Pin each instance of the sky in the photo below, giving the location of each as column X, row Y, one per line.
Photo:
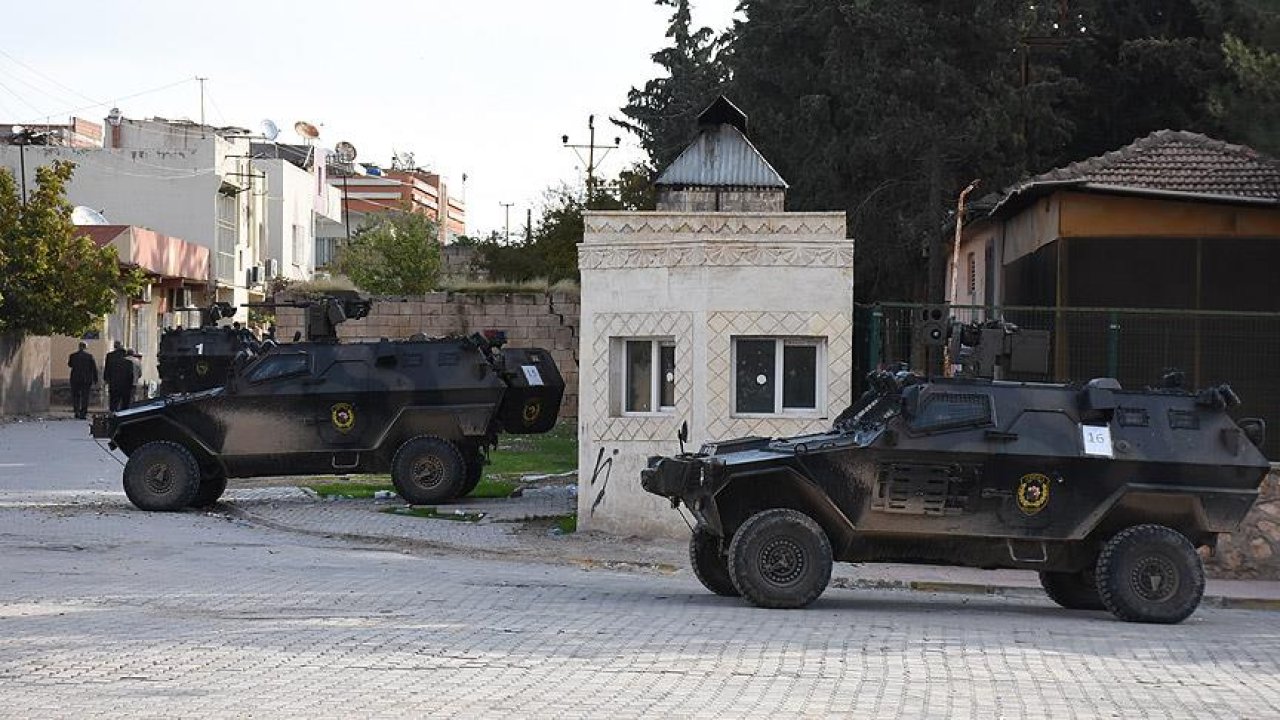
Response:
column 481, row 87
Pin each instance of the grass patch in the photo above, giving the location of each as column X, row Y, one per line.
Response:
column 435, row 514
column 566, row 523
column 352, row 488
column 548, row 453
column 494, row 488
column 365, row 490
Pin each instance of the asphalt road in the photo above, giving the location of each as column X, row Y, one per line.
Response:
column 110, row 612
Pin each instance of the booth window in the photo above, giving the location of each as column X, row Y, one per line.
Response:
column 646, row 377
column 779, row 375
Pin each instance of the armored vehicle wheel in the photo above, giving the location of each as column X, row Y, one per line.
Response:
column 710, row 565
column 780, row 558
column 475, row 472
column 1073, row 591
column 1150, row 573
column 161, row 475
column 428, row 469
column 211, row 488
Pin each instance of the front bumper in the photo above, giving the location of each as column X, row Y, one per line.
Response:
column 673, row 477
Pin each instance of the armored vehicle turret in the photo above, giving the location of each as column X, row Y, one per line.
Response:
column 1107, row 492
column 195, row 359
column 425, row 410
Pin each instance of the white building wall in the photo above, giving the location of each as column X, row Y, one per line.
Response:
column 700, row 279
column 292, row 201
column 171, row 191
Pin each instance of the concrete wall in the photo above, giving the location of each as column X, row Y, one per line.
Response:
column 699, row 280
column 24, row 375
column 545, row 320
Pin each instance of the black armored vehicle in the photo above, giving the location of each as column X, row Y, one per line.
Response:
column 425, row 410
column 1107, row 492
column 200, row 358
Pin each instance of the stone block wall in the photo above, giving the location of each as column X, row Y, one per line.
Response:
column 545, row 320
column 1253, row 552
column 24, row 375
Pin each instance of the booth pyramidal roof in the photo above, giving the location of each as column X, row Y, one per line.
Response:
column 721, row 155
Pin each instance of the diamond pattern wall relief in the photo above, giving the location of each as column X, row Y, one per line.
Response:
column 601, row 424
column 836, row 327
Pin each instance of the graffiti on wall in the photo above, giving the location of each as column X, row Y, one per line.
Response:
column 600, row 475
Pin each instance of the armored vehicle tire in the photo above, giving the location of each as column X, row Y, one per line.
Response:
column 1072, row 590
column 1150, row 573
column 475, row 472
column 428, row 469
column 710, row 565
column 161, row 475
column 211, row 488
column 780, row 558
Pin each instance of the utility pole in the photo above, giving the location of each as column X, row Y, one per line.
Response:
column 528, row 226
column 506, row 236
column 590, row 159
column 201, row 81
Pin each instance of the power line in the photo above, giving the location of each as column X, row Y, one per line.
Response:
column 73, row 91
column 140, row 93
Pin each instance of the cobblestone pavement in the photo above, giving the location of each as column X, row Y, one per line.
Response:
column 108, row 612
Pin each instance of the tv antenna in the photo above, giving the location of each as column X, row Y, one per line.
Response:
column 269, row 129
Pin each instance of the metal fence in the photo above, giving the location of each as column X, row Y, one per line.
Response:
column 1133, row 346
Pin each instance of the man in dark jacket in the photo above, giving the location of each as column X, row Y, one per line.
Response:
column 117, row 371
column 84, row 375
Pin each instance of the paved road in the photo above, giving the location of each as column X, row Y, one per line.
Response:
column 109, row 612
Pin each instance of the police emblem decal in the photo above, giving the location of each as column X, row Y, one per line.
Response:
column 532, row 410
column 1033, row 493
column 343, row 416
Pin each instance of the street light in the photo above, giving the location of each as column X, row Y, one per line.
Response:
column 24, row 137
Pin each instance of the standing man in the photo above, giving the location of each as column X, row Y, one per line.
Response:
column 117, row 371
column 84, row 375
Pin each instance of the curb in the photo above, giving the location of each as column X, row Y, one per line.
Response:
column 1224, row 602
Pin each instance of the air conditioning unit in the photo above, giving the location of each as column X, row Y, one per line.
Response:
column 253, row 276
column 273, row 268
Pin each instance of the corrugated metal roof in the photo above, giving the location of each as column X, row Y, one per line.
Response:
column 721, row 157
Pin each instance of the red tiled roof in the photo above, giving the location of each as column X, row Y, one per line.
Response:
column 1170, row 161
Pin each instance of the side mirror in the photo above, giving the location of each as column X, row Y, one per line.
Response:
column 683, row 435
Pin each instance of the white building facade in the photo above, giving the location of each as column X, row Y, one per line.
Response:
column 738, row 322
column 203, row 185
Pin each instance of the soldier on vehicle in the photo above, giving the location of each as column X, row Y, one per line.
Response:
column 84, row 375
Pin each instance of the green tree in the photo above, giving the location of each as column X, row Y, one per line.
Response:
column 888, row 109
column 553, row 253
column 397, row 254
column 663, row 114
column 53, row 279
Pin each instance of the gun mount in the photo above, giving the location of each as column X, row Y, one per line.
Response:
column 325, row 314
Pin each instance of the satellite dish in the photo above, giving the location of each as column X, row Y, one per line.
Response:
column 83, row 215
column 402, row 161
column 345, row 152
column 306, row 130
column 269, row 129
